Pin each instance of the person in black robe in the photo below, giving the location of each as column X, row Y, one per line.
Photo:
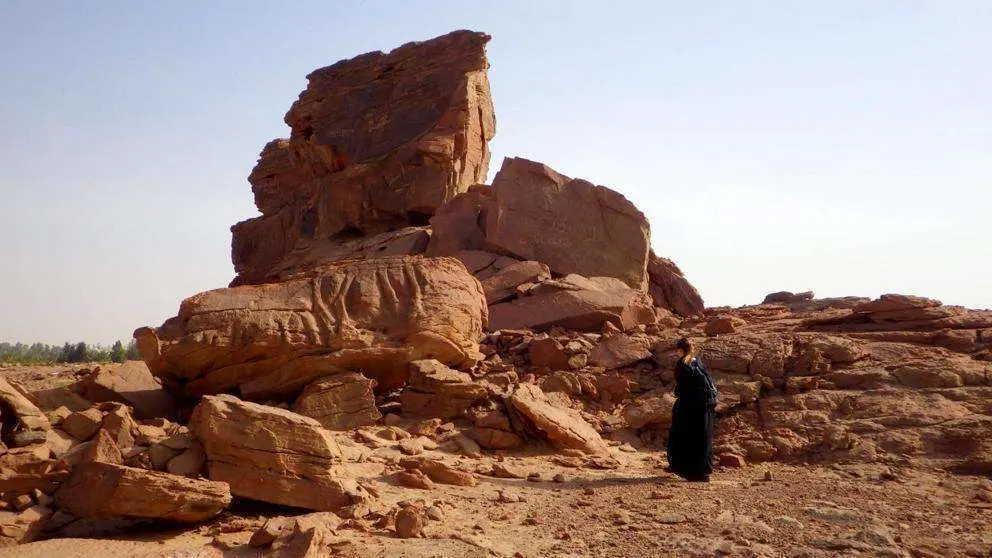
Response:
column 690, row 439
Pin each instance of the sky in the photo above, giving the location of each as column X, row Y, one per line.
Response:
column 839, row 146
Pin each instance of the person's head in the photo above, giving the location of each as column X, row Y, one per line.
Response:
column 685, row 349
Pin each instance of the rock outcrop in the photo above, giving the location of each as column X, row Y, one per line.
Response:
column 534, row 213
column 377, row 142
column 272, row 340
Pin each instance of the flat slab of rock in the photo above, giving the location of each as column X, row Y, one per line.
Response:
column 271, row 454
column 575, row 303
column 98, row 489
column 272, row 340
column 563, row 427
column 339, row 402
column 130, row 383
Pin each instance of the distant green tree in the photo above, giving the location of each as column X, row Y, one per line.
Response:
column 78, row 353
column 117, row 353
column 65, row 355
column 132, row 350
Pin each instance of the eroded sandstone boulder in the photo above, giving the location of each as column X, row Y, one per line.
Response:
column 99, row 489
column 434, row 390
column 339, row 402
column 563, row 427
column 17, row 411
column 130, row 383
column 670, row 289
column 535, row 213
column 272, row 340
column 577, row 303
column 273, row 455
column 378, row 142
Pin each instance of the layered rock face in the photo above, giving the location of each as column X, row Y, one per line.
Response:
column 377, row 142
column 272, row 340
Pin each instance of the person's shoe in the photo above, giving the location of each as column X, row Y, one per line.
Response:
column 703, row 478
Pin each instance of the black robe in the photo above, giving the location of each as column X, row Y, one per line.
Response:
column 690, row 439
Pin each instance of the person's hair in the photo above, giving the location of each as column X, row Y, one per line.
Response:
column 688, row 348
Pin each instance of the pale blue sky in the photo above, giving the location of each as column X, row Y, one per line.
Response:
column 838, row 146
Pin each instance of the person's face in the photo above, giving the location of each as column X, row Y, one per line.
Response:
column 679, row 353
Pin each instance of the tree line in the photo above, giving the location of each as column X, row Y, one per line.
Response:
column 43, row 353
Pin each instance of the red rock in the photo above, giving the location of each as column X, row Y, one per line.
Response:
column 439, row 472
column 273, row 455
column 731, row 460
column 189, row 463
column 23, row 527
column 503, row 284
column 414, row 478
column 272, row 340
column 786, row 297
column 27, row 413
column 654, row 409
column 723, row 324
column 895, row 302
column 339, row 402
column 410, row 522
column 434, row 390
column 102, row 449
column 99, row 489
column 378, row 141
column 535, row 213
column 563, row 427
column 495, row 438
column 121, row 427
column 547, row 352
column 617, row 351
column 575, row 303
column 670, row 289
column 130, row 383
column 81, row 425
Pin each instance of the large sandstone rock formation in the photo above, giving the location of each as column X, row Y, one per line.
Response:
column 270, row 340
column 535, row 213
column 378, row 142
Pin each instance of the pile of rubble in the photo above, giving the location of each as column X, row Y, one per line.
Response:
column 390, row 312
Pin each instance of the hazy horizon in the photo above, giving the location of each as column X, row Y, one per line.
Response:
column 840, row 147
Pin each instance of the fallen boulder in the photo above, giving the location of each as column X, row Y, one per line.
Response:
column 273, row 455
column 535, row 213
column 576, row 303
column 130, row 383
column 670, row 289
column 339, row 402
column 98, row 489
column 20, row 410
column 434, row 390
column 563, row 427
